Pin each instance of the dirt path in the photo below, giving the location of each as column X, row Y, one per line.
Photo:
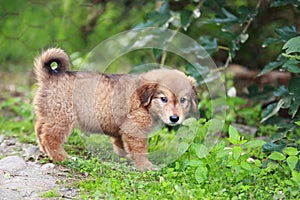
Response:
column 22, row 177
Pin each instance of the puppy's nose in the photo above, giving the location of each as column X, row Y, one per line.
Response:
column 174, row 118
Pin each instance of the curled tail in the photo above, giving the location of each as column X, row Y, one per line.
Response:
column 51, row 62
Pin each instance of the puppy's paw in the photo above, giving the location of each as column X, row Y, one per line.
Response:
column 146, row 166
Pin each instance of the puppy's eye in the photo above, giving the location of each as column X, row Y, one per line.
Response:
column 164, row 99
column 182, row 100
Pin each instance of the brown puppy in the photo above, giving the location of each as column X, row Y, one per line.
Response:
column 124, row 107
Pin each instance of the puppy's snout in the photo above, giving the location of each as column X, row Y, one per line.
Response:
column 174, row 118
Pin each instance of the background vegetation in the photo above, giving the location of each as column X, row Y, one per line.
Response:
column 258, row 154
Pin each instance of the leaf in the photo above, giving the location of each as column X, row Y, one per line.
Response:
column 234, row 134
column 292, row 45
column 269, row 67
column 278, row 3
column 164, row 8
column 182, row 147
column 283, row 35
column 210, row 45
column 185, row 18
column 222, row 153
column 291, row 151
column 270, row 147
column 201, row 174
column 276, row 156
column 246, row 166
column 228, row 17
column 272, row 110
column 286, row 32
column 201, row 151
column 294, row 107
column 246, row 12
column 236, row 152
column 189, row 121
column 198, row 71
column 292, row 66
column 254, row 144
column 281, row 91
column 296, row 177
column 158, row 18
column 292, row 162
column 194, row 163
column 271, row 40
column 297, row 123
column 294, row 86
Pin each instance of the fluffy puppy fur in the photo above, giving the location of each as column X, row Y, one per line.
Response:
column 123, row 106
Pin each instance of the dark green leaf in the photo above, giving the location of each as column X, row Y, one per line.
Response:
column 164, row 8
column 294, row 107
column 269, row 67
column 294, row 86
column 281, row 91
column 271, row 40
column 210, row 45
column 292, row 66
column 270, row 147
column 283, row 35
column 198, row 71
column 247, row 11
column 228, row 17
column 158, row 18
column 277, row 3
column 185, row 18
column 157, row 53
column 272, row 110
column 286, row 32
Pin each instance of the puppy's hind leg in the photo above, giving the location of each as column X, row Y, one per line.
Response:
column 51, row 138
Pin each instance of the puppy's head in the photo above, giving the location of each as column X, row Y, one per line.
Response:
column 169, row 95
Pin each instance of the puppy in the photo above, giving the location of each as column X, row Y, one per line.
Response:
column 123, row 106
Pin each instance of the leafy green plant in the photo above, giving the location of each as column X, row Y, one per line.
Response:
column 233, row 168
column 16, row 117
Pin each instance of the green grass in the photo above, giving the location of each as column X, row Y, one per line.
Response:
column 51, row 193
column 234, row 168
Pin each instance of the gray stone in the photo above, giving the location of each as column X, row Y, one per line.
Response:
column 1, row 138
column 12, row 164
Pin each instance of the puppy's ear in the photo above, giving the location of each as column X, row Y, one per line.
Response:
column 146, row 93
column 194, row 95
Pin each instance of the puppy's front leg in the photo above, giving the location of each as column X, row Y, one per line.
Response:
column 137, row 148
